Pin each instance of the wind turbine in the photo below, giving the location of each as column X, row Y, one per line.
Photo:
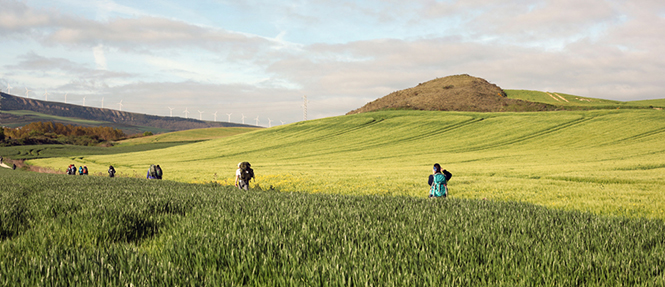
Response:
column 257, row 120
column 27, row 93
column 243, row 119
column 215, row 114
column 229, row 116
column 84, row 100
column 283, row 122
column 269, row 123
column 186, row 112
column 9, row 88
column 201, row 115
column 65, row 96
column 119, row 105
column 171, row 111
column 102, row 102
column 46, row 95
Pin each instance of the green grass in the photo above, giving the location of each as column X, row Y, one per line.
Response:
column 85, row 230
column 187, row 136
column 567, row 100
column 584, row 160
column 44, row 117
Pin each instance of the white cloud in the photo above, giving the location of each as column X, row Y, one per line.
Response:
column 100, row 59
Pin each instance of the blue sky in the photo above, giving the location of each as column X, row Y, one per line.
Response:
column 258, row 58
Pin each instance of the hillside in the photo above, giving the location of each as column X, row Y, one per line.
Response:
column 570, row 160
column 567, row 101
column 453, row 93
column 127, row 121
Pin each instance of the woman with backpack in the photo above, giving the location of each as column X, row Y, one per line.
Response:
column 438, row 182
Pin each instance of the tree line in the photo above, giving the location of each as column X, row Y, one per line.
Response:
column 50, row 132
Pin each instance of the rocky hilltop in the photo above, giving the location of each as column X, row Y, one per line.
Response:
column 453, row 93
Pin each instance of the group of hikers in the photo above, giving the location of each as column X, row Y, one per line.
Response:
column 71, row 170
column 437, row 181
column 154, row 172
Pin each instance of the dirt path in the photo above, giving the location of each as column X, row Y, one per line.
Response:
column 553, row 97
column 5, row 166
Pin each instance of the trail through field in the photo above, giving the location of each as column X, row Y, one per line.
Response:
column 553, row 97
column 4, row 165
column 561, row 97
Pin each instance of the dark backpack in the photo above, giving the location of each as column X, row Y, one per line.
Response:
column 158, row 171
column 246, row 171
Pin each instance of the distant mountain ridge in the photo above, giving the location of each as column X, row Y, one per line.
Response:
column 14, row 103
column 453, row 93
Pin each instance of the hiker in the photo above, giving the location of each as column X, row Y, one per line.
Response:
column 111, row 171
column 438, row 182
column 244, row 174
column 13, row 166
column 1, row 160
column 85, row 170
column 154, row 172
column 72, row 170
column 80, row 170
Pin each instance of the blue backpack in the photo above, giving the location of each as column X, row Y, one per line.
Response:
column 439, row 187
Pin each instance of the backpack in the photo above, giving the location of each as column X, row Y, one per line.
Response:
column 158, row 172
column 246, row 171
column 85, row 170
column 439, row 186
column 153, row 171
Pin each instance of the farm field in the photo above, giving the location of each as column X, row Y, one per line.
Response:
column 187, row 136
column 566, row 100
column 87, row 230
column 607, row 162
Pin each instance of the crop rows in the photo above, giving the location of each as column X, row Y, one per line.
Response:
column 66, row 230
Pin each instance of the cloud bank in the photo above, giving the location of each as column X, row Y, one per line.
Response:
column 260, row 57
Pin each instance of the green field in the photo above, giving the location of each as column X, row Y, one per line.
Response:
column 187, row 136
column 602, row 161
column 59, row 230
column 566, row 100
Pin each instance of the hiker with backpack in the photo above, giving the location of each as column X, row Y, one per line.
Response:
column 244, row 174
column 111, row 171
column 85, row 170
column 438, row 182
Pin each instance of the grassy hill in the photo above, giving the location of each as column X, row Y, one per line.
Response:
column 569, row 101
column 17, row 111
column 453, row 93
column 603, row 161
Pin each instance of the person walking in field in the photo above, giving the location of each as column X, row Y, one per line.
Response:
column 111, row 171
column 438, row 182
column 244, row 174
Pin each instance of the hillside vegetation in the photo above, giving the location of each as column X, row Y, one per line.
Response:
column 567, row 101
column 19, row 110
column 453, row 93
column 100, row 231
column 603, row 161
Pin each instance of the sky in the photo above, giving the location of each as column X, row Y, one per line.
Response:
column 222, row 60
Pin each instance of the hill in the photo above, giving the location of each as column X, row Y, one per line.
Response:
column 570, row 160
column 453, row 93
column 567, row 101
column 14, row 112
